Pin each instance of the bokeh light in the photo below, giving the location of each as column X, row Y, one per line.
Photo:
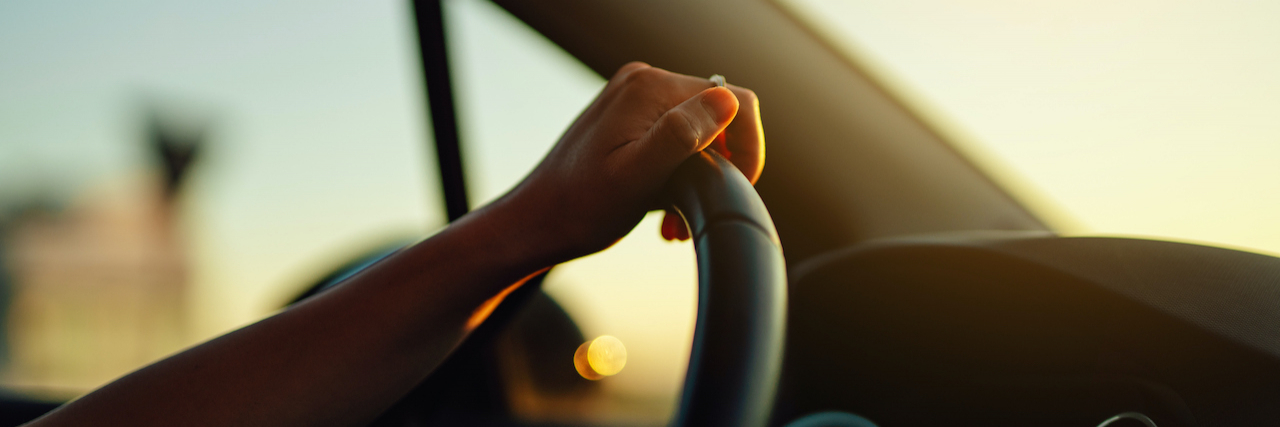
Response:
column 601, row 357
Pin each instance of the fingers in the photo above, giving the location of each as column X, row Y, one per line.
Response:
column 744, row 138
column 685, row 129
column 673, row 227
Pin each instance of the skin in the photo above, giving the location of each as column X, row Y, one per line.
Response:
column 343, row 357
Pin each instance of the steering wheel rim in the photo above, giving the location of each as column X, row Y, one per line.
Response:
column 742, row 292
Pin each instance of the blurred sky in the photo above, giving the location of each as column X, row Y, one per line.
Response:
column 1137, row 117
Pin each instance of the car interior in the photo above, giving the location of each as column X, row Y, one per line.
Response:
column 876, row 274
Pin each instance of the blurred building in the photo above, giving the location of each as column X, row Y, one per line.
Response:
column 96, row 288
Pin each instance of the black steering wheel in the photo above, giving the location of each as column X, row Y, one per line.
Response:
column 738, row 338
column 742, row 296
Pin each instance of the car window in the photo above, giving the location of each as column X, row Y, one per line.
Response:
column 120, row 243
column 516, row 93
column 1140, row 117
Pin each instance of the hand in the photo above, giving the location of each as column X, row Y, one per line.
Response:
column 611, row 165
column 742, row 143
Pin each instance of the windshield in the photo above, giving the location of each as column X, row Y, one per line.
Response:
column 1137, row 118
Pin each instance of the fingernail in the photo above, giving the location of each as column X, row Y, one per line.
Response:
column 720, row 104
column 668, row 228
column 682, row 231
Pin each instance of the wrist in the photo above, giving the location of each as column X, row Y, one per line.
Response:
column 517, row 234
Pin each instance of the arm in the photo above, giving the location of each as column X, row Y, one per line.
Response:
column 343, row 357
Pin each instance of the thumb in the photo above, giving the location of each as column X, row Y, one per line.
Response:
column 687, row 128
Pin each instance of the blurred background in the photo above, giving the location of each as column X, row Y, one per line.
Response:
column 173, row 170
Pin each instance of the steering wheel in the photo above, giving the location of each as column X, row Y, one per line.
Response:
column 738, row 338
column 742, row 296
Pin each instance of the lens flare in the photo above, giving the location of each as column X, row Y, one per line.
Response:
column 600, row 357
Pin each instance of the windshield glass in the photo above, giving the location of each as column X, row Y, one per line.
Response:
column 1138, row 118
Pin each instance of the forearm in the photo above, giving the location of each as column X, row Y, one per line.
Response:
column 340, row 358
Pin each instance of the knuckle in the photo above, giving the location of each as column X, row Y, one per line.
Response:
column 634, row 65
column 628, row 68
column 644, row 77
column 642, row 85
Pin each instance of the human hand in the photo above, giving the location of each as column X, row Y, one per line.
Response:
column 611, row 165
column 747, row 153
